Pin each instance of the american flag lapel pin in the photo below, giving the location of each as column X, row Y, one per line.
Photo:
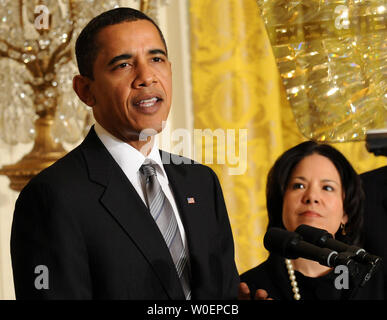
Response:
column 190, row 200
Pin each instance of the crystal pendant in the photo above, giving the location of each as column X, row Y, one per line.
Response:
column 37, row 67
column 332, row 58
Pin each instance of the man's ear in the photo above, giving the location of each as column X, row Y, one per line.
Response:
column 81, row 86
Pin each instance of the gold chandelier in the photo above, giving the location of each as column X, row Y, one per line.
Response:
column 332, row 59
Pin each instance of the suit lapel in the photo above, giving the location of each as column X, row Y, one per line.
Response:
column 193, row 216
column 181, row 191
column 122, row 201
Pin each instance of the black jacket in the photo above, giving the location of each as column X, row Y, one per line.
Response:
column 84, row 221
column 273, row 277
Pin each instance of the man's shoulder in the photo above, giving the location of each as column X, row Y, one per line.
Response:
column 73, row 166
column 178, row 161
column 376, row 174
column 67, row 168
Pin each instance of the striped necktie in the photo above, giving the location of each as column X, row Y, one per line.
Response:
column 161, row 210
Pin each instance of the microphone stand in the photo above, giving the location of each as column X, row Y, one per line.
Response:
column 360, row 273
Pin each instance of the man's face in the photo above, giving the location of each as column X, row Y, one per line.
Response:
column 132, row 79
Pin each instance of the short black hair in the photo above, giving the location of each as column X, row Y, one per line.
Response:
column 353, row 202
column 86, row 47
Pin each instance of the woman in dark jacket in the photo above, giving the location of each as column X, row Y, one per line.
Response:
column 313, row 184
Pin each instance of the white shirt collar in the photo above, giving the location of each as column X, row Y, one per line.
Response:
column 128, row 157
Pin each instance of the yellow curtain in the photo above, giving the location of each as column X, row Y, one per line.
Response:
column 236, row 85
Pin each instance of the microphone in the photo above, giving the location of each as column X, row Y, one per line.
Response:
column 324, row 239
column 290, row 245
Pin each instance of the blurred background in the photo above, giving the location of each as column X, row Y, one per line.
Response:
column 272, row 73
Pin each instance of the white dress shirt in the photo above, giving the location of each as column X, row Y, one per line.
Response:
column 130, row 160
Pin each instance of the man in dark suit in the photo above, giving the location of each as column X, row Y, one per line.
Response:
column 375, row 217
column 84, row 227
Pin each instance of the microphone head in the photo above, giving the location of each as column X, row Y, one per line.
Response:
column 281, row 242
column 313, row 235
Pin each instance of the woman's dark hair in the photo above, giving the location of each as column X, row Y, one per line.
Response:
column 86, row 46
column 280, row 173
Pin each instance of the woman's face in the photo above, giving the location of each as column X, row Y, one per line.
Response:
column 314, row 196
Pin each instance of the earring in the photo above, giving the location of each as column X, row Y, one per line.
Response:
column 342, row 227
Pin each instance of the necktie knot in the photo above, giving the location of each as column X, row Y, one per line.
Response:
column 148, row 170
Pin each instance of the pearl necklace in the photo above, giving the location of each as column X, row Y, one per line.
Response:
column 292, row 278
